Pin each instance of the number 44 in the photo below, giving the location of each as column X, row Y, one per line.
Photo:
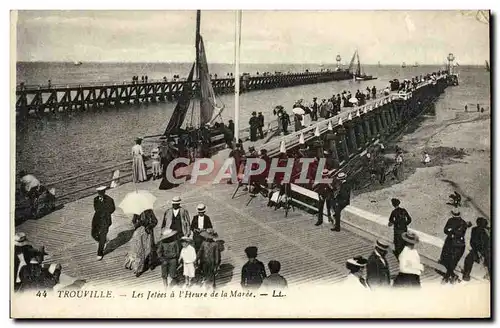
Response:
column 41, row 293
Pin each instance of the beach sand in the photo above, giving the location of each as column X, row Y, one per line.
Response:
column 460, row 161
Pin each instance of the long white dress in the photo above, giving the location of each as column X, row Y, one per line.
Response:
column 138, row 168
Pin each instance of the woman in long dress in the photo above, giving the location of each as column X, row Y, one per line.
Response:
column 138, row 168
column 142, row 252
column 410, row 267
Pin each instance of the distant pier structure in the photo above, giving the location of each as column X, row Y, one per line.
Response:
column 40, row 99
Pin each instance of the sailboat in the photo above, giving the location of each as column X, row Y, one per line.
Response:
column 77, row 63
column 415, row 65
column 487, row 65
column 207, row 109
column 358, row 75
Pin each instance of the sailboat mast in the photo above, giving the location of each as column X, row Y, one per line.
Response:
column 237, row 41
column 197, row 63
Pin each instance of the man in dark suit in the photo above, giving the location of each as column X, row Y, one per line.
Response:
column 201, row 222
column 325, row 194
column 254, row 125
column 342, row 200
column 377, row 270
column 261, row 125
column 400, row 219
column 104, row 206
column 480, row 248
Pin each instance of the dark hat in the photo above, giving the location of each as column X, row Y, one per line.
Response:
column 410, row 238
column 251, row 251
column 315, row 98
column 254, row 113
column 263, row 151
column 482, row 222
column 455, row 212
column 260, row 112
column 382, row 245
column 395, row 202
column 251, row 148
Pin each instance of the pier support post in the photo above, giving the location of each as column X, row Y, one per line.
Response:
column 344, row 149
column 366, row 122
column 351, row 137
column 360, row 133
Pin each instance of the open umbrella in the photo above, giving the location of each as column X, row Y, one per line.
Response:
column 298, row 110
column 353, row 100
column 137, row 202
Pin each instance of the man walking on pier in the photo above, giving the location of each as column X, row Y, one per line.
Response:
column 177, row 218
column 254, row 125
column 400, row 219
column 104, row 206
column 325, row 193
column 342, row 200
column 261, row 125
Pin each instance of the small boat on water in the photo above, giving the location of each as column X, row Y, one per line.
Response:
column 357, row 74
column 77, row 63
column 415, row 65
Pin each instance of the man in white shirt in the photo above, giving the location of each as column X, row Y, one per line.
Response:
column 177, row 218
column 410, row 267
column 201, row 222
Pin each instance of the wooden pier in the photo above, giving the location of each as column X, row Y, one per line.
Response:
column 308, row 254
column 40, row 99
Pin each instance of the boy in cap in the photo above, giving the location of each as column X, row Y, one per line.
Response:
column 104, row 206
column 188, row 258
column 377, row 268
column 253, row 272
column 274, row 280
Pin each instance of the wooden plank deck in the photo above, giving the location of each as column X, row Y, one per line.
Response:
column 308, row 254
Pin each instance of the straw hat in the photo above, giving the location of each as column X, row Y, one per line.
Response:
column 382, row 245
column 201, row 208
column 358, row 261
column 20, row 239
column 410, row 237
column 101, row 188
column 176, row 200
column 167, row 233
column 209, row 234
column 455, row 212
column 341, row 176
column 34, row 260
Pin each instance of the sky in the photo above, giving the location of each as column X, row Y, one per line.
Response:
column 388, row 37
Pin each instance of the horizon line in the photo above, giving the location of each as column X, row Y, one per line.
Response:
column 244, row 63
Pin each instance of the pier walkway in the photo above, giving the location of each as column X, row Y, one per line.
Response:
column 308, row 254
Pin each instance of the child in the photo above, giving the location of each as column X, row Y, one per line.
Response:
column 188, row 257
column 274, row 280
column 155, row 157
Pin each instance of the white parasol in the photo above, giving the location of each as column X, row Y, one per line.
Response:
column 298, row 110
column 137, row 202
column 301, row 139
column 353, row 100
column 316, row 132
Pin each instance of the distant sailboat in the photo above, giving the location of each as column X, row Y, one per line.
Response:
column 415, row 65
column 487, row 65
column 77, row 63
column 357, row 74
